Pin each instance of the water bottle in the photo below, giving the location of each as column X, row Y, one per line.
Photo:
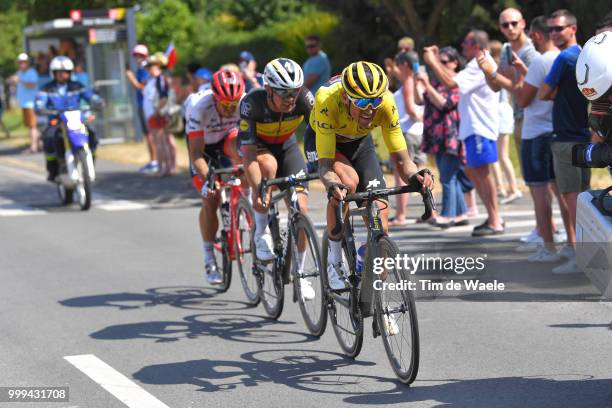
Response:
column 359, row 261
column 225, row 215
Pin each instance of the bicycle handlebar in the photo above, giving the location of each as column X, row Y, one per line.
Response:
column 288, row 181
column 235, row 170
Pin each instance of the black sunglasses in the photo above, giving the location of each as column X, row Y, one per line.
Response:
column 311, row 45
column 287, row 93
column 509, row 23
column 557, row 29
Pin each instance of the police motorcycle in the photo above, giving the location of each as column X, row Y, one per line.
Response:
column 594, row 207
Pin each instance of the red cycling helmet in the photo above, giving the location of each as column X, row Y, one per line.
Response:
column 227, row 85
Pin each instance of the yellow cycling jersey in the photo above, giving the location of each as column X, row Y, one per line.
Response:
column 333, row 124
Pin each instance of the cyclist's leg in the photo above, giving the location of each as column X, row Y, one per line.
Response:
column 264, row 247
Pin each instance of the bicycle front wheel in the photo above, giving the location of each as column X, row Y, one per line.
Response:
column 307, row 270
column 272, row 286
column 223, row 259
column 396, row 316
column 348, row 326
column 245, row 250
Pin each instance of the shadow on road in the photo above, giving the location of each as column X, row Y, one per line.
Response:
column 238, row 327
column 184, row 297
column 582, row 326
column 330, row 373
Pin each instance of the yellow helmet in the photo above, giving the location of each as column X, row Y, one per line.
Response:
column 363, row 79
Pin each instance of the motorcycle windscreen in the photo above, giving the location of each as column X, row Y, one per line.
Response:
column 76, row 130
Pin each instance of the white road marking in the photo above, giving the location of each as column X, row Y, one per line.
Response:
column 9, row 208
column 107, row 203
column 121, row 387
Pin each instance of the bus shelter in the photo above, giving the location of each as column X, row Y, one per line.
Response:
column 99, row 42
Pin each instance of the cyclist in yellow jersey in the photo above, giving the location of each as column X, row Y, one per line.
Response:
column 345, row 111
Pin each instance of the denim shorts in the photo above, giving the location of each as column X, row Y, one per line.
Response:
column 537, row 160
column 480, row 151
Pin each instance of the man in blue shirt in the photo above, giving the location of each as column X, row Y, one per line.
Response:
column 27, row 86
column 570, row 124
column 316, row 68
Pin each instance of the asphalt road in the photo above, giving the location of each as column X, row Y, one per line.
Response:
column 122, row 288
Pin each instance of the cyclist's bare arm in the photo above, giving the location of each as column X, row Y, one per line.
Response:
column 329, row 178
column 407, row 169
column 196, row 154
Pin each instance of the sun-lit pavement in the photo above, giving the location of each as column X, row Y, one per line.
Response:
column 124, row 282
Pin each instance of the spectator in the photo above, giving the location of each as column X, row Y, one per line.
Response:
column 537, row 163
column 506, row 127
column 512, row 25
column 570, row 124
column 441, row 137
column 478, row 128
column 317, row 69
column 411, row 122
column 138, row 82
column 42, row 68
column 248, row 68
column 27, row 87
column 405, row 44
column 80, row 75
column 2, row 94
column 155, row 96
column 605, row 24
column 192, row 68
column 202, row 78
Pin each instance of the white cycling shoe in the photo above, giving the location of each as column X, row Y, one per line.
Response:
column 335, row 275
column 306, row 289
column 264, row 248
column 391, row 327
column 212, row 274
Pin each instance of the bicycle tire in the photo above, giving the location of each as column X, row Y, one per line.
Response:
column 272, row 285
column 244, row 245
column 226, row 264
column 313, row 311
column 405, row 369
column 80, row 162
column 350, row 333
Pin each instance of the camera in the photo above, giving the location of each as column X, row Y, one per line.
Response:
column 592, row 155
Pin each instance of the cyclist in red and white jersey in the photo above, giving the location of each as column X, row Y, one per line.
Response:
column 212, row 117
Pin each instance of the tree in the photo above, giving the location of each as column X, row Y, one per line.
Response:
column 12, row 22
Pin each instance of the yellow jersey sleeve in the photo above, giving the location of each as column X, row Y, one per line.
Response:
column 323, row 123
column 390, row 125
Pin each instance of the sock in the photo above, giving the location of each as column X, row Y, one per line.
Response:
column 335, row 251
column 301, row 259
column 209, row 252
column 261, row 223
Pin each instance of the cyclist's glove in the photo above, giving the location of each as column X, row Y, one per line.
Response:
column 332, row 186
column 204, row 190
column 413, row 181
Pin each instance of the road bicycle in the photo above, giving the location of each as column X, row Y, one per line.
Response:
column 394, row 311
column 229, row 246
column 296, row 244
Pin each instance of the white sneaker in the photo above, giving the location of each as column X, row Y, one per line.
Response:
column 512, row 197
column 532, row 236
column 306, row 289
column 569, row 267
column 560, row 236
column 529, row 246
column 390, row 325
column 544, row 255
column 567, row 252
column 264, row 248
column 212, row 274
column 336, row 281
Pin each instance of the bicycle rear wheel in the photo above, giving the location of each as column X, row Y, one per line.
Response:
column 397, row 318
column 348, row 326
column 313, row 310
column 245, row 250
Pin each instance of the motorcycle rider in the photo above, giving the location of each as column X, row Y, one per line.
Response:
column 62, row 93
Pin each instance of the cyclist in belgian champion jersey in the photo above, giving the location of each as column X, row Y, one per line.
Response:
column 269, row 118
column 212, row 117
column 345, row 111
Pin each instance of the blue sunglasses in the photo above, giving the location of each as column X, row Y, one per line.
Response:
column 364, row 103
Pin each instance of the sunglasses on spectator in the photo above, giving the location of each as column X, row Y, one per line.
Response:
column 311, row 46
column 287, row 93
column 229, row 104
column 445, row 61
column 509, row 23
column 365, row 103
column 557, row 29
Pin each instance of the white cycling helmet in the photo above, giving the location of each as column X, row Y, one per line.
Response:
column 594, row 68
column 61, row 63
column 283, row 73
